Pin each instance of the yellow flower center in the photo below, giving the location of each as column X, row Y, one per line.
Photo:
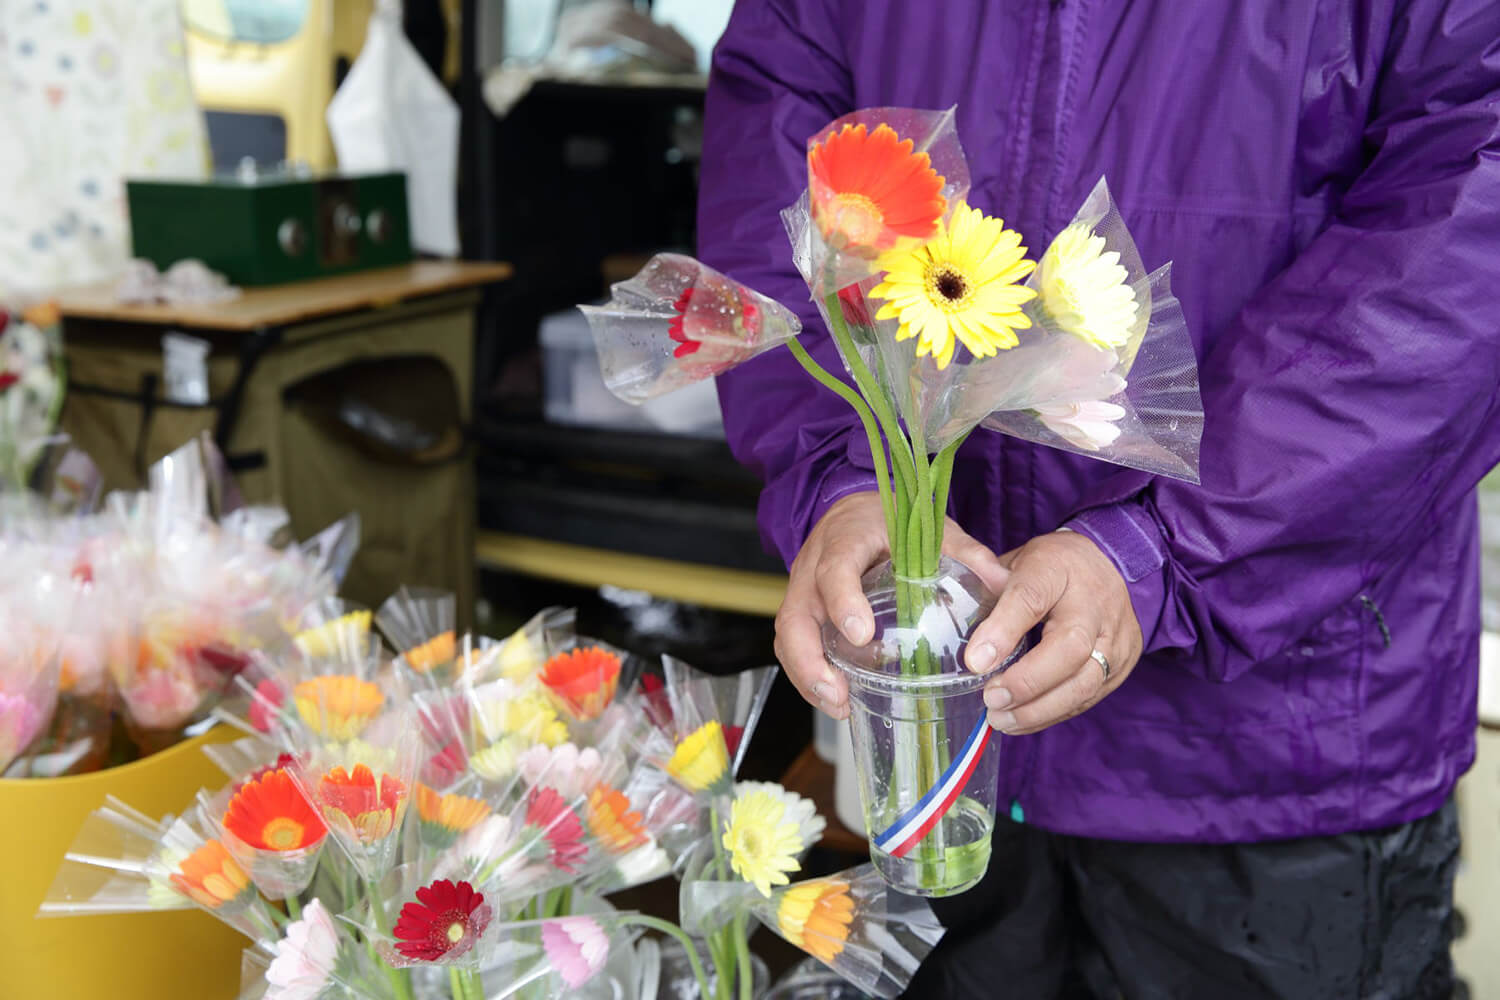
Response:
column 282, row 834
column 455, row 932
column 858, row 218
column 947, row 288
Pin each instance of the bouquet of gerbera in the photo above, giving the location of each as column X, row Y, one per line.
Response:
column 944, row 324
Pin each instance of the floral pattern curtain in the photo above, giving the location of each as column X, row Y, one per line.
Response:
column 91, row 92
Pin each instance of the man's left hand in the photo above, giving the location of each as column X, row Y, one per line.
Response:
column 1063, row 581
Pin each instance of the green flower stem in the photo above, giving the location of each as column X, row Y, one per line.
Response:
column 879, row 402
column 399, row 979
column 293, row 908
column 745, row 975
column 456, row 985
column 877, row 452
column 942, row 479
column 672, row 930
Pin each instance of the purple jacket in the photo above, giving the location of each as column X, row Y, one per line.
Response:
column 1326, row 177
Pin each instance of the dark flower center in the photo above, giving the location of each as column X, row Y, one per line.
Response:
column 951, row 286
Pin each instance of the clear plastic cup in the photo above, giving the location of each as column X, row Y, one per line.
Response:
column 927, row 760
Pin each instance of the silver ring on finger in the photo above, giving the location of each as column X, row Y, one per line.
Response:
column 1103, row 662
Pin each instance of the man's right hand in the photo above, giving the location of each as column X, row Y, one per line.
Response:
column 825, row 585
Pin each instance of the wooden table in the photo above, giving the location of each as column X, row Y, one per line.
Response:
column 812, row 777
column 282, row 305
column 304, row 381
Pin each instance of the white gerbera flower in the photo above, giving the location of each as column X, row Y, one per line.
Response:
column 797, row 809
column 1083, row 289
column 305, row 957
column 572, row 772
column 1090, row 426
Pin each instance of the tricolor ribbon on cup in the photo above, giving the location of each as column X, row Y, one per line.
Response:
column 914, row 824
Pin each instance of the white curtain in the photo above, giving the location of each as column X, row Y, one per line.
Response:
column 91, row 92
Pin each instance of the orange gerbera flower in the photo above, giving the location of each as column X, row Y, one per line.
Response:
column 360, row 805
column 434, row 652
column 339, row 706
column 444, row 817
column 211, row 878
column 268, row 813
column 611, row 819
column 815, row 916
column 584, row 679
column 869, row 190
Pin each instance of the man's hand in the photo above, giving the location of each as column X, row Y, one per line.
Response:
column 1063, row 580
column 824, row 585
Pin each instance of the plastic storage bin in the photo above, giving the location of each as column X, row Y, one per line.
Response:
column 575, row 392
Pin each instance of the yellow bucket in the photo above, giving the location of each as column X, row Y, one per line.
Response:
column 140, row 956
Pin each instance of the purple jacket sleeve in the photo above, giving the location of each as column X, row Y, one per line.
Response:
column 804, row 442
column 1354, row 400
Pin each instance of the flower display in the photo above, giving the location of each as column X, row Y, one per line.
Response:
column 528, row 716
column 444, row 922
column 361, row 806
column 577, row 947
column 210, row 877
column 816, row 915
column 610, row 818
column 870, row 189
column 444, row 817
column 1085, row 289
column 583, row 679
column 561, row 835
column 485, row 881
column 338, row 705
column 305, row 956
column 701, row 760
column 269, row 813
column 960, row 286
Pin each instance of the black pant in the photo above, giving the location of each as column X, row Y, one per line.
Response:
column 1363, row 916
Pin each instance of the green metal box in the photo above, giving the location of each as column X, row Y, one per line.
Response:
column 269, row 229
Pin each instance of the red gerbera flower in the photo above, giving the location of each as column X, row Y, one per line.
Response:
column 736, row 321
column 870, row 189
column 270, row 814
column 8, row 379
column 584, row 679
column 548, row 812
column 446, row 766
column 283, row 760
column 444, row 922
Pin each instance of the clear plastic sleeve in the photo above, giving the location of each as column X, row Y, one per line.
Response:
column 678, row 322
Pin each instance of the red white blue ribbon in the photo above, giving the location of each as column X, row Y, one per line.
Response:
column 914, row 824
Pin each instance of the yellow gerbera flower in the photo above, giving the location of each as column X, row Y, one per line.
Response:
column 338, row 706
column 444, row 817
column 960, row 284
column 815, row 916
column 529, row 716
column 344, row 633
column 1083, row 288
column 495, row 762
column 701, row 761
column 762, row 842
